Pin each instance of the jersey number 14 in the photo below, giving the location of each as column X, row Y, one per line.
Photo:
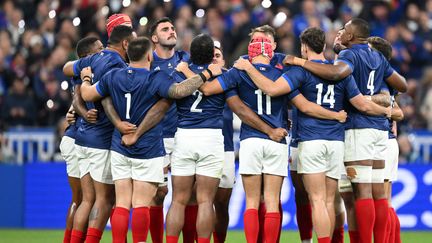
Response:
column 328, row 97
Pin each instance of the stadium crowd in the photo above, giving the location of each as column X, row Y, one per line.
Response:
column 38, row 37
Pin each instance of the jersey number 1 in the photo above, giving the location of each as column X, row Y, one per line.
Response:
column 259, row 94
column 128, row 103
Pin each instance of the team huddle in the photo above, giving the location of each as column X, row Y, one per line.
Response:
column 142, row 108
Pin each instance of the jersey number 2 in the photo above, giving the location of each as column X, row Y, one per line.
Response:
column 197, row 101
column 328, row 97
column 128, row 103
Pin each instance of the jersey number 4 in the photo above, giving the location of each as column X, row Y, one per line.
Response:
column 259, row 94
column 328, row 97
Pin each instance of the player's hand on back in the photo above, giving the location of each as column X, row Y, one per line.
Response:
column 86, row 72
column 125, row 127
column 70, row 117
column 91, row 116
column 216, row 69
column 243, row 64
column 129, row 139
column 288, row 60
column 342, row 116
column 277, row 134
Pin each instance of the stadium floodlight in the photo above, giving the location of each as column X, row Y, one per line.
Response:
column 105, row 10
column 266, row 3
column 76, row 21
column 126, row 3
column 50, row 104
column 52, row 14
column 21, row 24
column 200, row 13
column 64, row 85
column 279, row 19
column 143, row 21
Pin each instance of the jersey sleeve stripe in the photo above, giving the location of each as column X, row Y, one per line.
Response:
column 290, row 83
column 76, row 70
column 99, row 90
column 222, row 83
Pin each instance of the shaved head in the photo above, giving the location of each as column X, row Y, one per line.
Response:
column 360, row 28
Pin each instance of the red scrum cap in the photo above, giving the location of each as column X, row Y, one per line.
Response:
column 260, row 46
column 116, row 20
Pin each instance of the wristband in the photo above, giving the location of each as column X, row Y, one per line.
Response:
column 202, row 76
column 299, row 61
column 209, row 72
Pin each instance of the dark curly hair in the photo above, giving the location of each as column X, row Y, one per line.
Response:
column 202, row 49
column 381, row 45
column 314, row 38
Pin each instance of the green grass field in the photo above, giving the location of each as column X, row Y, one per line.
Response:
column 55, row 236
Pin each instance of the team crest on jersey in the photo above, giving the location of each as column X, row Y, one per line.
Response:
column 157, row 68
column 169, row 65
column 262, row 69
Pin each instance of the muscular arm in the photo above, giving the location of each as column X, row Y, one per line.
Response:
column 152, row 118
column 68, row 69
column 398, row 82
column 369, row 107
column 89, row 92
column 397, row 113
column 382, row 99
column 78, row 103
column 335, row 72
column 123, row 126
column 250, row 118
column 187, row 87
column 312, row 109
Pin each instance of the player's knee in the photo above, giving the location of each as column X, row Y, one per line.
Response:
column 160, row 195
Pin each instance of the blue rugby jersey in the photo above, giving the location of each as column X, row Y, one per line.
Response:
column 271, row 109
column 329, row 96
column 370, row 69
column 169, row 123
column 134, row 91
column 97, row 135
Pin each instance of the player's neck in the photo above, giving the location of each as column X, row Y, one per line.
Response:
column 316, row 56
column 358, row 41
column 118, row 50
column 163, row 52
column 260, row 60
column 140, row 64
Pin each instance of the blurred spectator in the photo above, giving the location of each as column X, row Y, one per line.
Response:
column 19, row 108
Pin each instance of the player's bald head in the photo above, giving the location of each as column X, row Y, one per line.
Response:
column 359, row 28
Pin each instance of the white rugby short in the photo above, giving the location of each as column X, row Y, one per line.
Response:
column 228, row 171
column 293, row 158
column 198, row 151
column 263, row 156
column 96, row 162
column 148, row 170
column 321, row 156
column 365, row 144
column 391, row 163
column 67, row 151
column 169, row 146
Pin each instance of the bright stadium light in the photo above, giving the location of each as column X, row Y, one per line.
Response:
column 50, row 104
column 266, row 3
column 64, row 85
column 126, row 3
column 105, row 10
column 167, row 1
column 21, row 24
column 76, row 21
column 200, row 13
column 143, row 21
column 52, row 14
column 279, row 19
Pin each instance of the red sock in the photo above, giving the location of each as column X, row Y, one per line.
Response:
column 304, row 221
column 324, row 240
column 119, row 224
column 389, row 226
column 281, row 219
column 261, row 217
column 354, row 236
column 397, row 238
column 381, row 220
column 219, row 237
column 157, row 224
column 77, row 236
column 251, row 225
column 365, row 212
column 171, row 239
column 67, row 236
column 189, row 226
column 338, row 235
column 93, row 235
column 271, row 227
column 140, row 224
column 111, row 215
column 203, row 240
